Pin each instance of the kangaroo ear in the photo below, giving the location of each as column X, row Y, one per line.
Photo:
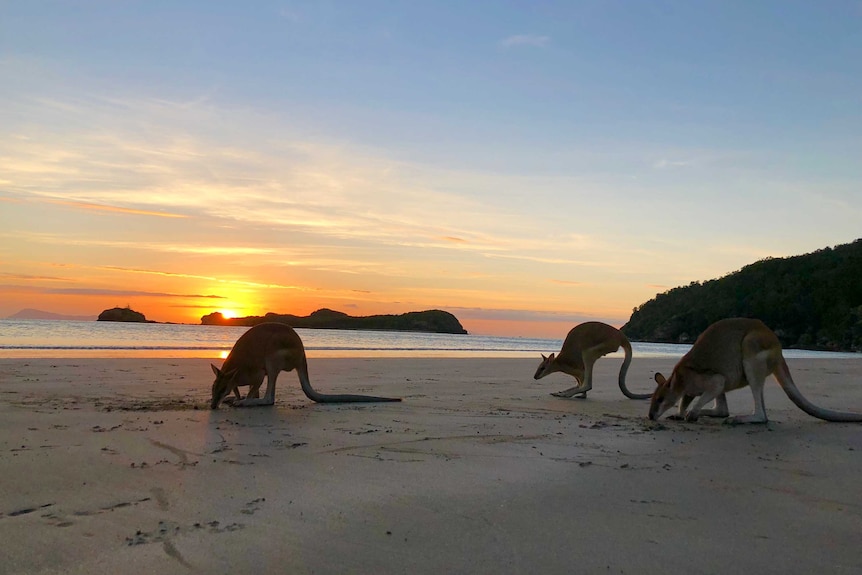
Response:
column 551, row 357
column 659, row 379
column 216, row 370
column 543, row 357
column 231, row 374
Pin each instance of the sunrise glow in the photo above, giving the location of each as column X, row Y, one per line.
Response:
column 557, row 176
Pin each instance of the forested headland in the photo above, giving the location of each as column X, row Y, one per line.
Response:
column 811, row 301
column 434, row 321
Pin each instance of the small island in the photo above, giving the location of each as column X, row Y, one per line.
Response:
column 123, row 314
column 433, row 321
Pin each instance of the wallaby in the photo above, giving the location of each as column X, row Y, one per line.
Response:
column 584, row 344
column 266, row 350
column 728, row 355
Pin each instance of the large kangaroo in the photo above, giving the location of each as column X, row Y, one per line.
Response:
column 268, row 349
column 586, row 343
column 728, row 355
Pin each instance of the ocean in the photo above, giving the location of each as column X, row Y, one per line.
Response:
column 64, row 339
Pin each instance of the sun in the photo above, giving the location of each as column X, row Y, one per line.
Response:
column 227, row 313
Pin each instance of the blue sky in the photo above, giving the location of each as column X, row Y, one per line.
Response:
column 524, row 164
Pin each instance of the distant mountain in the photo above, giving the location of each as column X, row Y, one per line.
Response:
column 811, row 301
column 31, row 313
column 434, row 321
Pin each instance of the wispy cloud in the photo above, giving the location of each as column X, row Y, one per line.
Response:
column 534, row 40
column 325, row 192
column 26, row 277
column 168, row 247
column 665, row 164
column 113, row 209
column 100, row 292
column 235, row 282
column 264, row 203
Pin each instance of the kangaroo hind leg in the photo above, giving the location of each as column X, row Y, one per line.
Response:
column 566, row 393
column 756, row 372
column 589, row 360
column 713, row 387
column 253, row 399
column 718, row 409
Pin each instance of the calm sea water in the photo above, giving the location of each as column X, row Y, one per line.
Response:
column 45, row 338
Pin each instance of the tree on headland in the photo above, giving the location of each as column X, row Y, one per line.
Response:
column 811, row 301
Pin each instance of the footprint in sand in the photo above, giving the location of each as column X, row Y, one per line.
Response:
column 252, row 506
column 161, row 498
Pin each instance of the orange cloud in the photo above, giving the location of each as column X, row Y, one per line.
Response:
column 113, row 209
column 101, row 292
column 25, row 277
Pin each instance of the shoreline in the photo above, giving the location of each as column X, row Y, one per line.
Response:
column 64, row 339
column 219, row 355
column 117, row 465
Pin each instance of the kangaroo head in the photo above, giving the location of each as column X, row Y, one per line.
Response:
column 222, row 385
column 665, row 395
column 546, row 367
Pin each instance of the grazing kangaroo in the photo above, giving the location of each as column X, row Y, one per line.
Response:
column 585, row 344
column 267, row 349
column 728, row 355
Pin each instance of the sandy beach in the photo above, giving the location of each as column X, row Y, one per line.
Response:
column 117, row 466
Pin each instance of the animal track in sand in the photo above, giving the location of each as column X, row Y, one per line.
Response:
column 183, row 455
column 59, row 519
column 154, row 404
column 166, row 530
column 25, row 510
column 423, row 446
column 252, row 506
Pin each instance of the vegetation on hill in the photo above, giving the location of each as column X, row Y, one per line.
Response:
column 122, row 314
column 434, row 321
column 812, row 301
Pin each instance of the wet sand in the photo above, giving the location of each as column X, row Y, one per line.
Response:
column 118, row 466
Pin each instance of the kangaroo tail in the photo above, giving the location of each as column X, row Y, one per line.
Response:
column 349, row 398
column 782, row 374
column 627, row 348
column 309, row 391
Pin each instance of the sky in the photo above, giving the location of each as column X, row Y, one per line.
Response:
column 524, row 165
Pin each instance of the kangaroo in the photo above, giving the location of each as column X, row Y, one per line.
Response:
column 584, row 344
column 268, row 349
column 728, row 355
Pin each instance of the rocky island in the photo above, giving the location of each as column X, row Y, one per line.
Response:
column 123, row 314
